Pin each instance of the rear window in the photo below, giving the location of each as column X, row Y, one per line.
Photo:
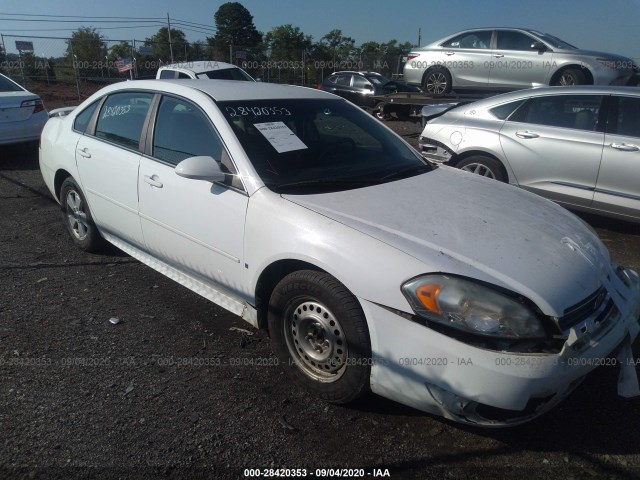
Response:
column 226, row 74
column 7, row 85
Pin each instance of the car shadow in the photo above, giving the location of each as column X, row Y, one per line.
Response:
column 611, row 224
column 21, row 156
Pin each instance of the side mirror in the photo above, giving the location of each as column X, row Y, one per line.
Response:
column 201, row 168
column 539, row 46
column 368, row 86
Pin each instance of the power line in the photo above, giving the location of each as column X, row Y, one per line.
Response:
column 77, row 16
column 73, row 21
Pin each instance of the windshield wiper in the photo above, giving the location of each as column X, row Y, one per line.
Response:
column 408, row 172
column 328, row 182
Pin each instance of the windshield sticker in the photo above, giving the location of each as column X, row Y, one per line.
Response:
column 256, row 111
column 280, row 136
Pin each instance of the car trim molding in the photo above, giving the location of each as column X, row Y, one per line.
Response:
column 617, row 194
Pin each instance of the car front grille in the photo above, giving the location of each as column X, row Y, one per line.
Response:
column 598, row 304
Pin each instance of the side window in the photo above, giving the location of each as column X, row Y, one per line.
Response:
column 480, row 40
column 343, row 80
column 183, row 131
column 360, row 82
column 122, row 117
column 503, row 111
column 167, row 74
column 82, row 120
column 565, row 111
column 183, row 75
column 508, row 40
column 624, row 116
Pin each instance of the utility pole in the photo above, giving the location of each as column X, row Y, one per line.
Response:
column 419, row 36
column 169, row 31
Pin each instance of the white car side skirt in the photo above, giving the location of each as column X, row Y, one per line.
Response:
column 222, row 298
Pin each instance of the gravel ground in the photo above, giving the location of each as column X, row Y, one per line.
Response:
column 180, row 388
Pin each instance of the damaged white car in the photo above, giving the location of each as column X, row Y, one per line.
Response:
column 371, row 269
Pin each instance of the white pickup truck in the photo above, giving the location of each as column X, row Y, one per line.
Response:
column 210, row 69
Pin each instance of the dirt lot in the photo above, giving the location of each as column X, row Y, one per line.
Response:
column 180, row 388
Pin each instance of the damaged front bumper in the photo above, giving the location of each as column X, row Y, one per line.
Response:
column 436, row 373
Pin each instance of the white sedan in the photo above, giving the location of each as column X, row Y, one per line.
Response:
column 22, row 113
column 371, row 269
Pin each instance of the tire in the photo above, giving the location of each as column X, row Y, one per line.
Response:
column 77, row 217
column 571, row 76
column 320, row 335
column 437, row 82
column 485, row 166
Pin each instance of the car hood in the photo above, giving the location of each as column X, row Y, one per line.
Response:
column 592, row 53
column 459, row 223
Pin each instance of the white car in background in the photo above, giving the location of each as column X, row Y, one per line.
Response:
column 22, row 113
column 370, row 268
column 204, row 69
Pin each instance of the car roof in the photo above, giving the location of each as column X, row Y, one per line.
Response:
column 564, row 90
column 222, row 90
column 199, row 66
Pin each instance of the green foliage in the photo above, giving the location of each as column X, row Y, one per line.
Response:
column 160, row 45
column 85, row 47
column 234, row 27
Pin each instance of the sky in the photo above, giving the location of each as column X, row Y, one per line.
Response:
column 609, row 26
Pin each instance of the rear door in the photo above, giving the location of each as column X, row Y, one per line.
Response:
column 467, row 57
column 108, row 159
column 618, row 187
column 554, row 146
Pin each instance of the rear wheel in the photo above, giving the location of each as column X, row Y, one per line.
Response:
column 77, row 217
column 320, row 335
column 484, row 166
column 437, row 81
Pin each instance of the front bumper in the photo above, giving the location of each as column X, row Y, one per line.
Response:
column 433, row 372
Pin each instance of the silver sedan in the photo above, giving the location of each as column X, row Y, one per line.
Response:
column 579, row 146
column 502, row 59
column 22, row 113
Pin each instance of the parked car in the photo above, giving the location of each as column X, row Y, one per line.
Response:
column 22, row 113
column 500, row 59
column 370, row 268
column 360, row 88
column 579, row 146
column 207, row 69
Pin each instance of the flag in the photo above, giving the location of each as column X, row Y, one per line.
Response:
column 124, row 64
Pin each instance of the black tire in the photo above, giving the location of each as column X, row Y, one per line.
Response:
column 77, row 217
column 571, row 76
column 437, row 82
column 320, row 335
column 485, row 166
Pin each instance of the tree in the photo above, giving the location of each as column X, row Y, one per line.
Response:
column 85, row 48
column 235, row 29
column 286, row 42
column 341, row 47
column 160, row 45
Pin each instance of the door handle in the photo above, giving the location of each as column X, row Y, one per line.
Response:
column 84, row 152
column 498, row 55
column 527, row 134
column 625, row 147
column 449, row 53
column 152, row 181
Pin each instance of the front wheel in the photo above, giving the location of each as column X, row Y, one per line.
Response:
column 484, row 166
column 321, row 336
column 571, row 76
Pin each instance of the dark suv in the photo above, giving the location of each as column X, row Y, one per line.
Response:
column 361, row 87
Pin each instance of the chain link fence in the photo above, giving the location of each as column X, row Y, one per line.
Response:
column 65, row 71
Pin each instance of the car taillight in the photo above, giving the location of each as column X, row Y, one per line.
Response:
column 319, row 87
column 411, row 56
column 37, row 105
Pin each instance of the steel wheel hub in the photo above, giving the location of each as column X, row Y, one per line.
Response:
column 316, row 341
column 76, row 216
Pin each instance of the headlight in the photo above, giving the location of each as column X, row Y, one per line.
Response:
column 471, row 307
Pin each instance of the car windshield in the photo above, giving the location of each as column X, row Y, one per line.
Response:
column 377, row 79
column 318, row 145
column 226, row 74
column 7, row 85
column 554, row 41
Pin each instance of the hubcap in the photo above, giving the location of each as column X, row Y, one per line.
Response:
column 316, row 341
column 436, row 83
column 76, row 216
column 479, row 169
